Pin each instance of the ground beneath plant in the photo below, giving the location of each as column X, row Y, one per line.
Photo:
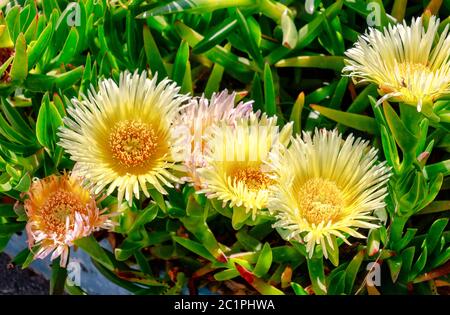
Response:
column 14, row 280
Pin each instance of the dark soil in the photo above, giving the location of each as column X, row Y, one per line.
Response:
column 14, row 280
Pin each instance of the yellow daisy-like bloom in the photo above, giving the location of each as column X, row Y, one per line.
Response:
column 60, row 211
column 235, row 156
column 196, row 121
column 408, row 63
column 120, row 136
column 326, row 187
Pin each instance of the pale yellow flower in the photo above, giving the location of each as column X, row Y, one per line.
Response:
column 235, row 172
column 121, row 136
column 195, row 122
column 326, row 188
column 410, row 64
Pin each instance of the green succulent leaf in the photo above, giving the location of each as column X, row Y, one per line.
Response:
column 264, row 261
column 317, row 275
column 352, row 270
column 194, row 6
column 298, row 290
column 395, row 266
column 194, row 247
column 434, row 234
column 152, row 53
column 10, row 228
column 90, row 245
column 47, row 124
column 269, row 92
column 19, row 68
column 215, row 36
column 404, row 138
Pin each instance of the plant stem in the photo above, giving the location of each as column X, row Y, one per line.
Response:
column 398, row 9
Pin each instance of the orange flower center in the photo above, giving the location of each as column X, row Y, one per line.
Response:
column 320, row 200
column 252, row 177
column 132, row 143
column 60, row 206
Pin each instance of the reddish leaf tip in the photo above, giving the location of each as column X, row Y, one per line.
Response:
column 247, row 275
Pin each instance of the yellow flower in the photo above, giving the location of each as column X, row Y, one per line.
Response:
column 120, row 136
column 326, row 187
column 60, row 211
column 196, row 121
column 408, row 63
column 235, row 172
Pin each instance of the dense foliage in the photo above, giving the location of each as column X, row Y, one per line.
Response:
column 285, row 56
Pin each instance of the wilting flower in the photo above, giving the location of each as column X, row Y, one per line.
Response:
column 120, row 137
column 235, row 171
column 60, row 211
column 408, row 63
column 326, row 187
column 196, row 121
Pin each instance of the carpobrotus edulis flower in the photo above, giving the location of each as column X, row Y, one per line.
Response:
column 408, row 63
column 120, row 136
column 326, row 187
column 60, row 211
column 235, row 156
column 196, row 121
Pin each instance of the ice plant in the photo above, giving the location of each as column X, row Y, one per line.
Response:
column 326, row 188
column 410, row 64
column 120, row 136
column 196, row 121
column 235, row 171
column 60, row 211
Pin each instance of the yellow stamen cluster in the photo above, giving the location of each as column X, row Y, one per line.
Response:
column 132, row 143
column 58, row 207
column 252, row 177
column 235, row 171
column 326, row 188
column 320, row 200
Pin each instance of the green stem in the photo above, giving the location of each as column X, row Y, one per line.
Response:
column 58, row 278
column 398, row 9
column 411, row 118
column 434, row 6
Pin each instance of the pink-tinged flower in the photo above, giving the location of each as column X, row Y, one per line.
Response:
column 60, row 211
column 195, row 122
